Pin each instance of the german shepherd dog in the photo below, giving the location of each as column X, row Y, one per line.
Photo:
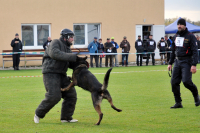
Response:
column 83, row 78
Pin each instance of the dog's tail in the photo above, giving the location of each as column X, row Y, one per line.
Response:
column 106, row 78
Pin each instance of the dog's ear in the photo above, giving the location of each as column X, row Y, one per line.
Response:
column 85, row 58
column 78, row 52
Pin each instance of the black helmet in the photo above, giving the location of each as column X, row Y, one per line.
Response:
column 67, row 33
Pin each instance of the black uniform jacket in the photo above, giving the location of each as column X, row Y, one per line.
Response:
column 151, row 45
column 17, row 47
column 45, row 45
column 162, row 46
column 139, row 46
column 184, row 45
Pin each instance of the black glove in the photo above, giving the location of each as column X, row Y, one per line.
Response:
column 81, row 58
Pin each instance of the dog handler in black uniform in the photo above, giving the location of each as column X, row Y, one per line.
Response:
column 17, row 47
column 140, row 49
column 56, row 61
column 151, row 47
column 184, row 52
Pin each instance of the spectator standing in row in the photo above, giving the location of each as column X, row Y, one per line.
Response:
column 140, row 49
column 46, row 44
column 151, row 47
column 115, row 57
column 17, row 47
column 198, row 43
column 125, row 45
column 169, row 45
column 93, row 49
column 100, row 50
column 108, row 46
column 162, row 46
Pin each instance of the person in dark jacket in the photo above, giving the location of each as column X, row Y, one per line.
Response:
column 186, row 59
column 115, row 57
column 151, row 47
column 100, row 50
column 162, row 46
column 46, row 44
column 93, row 48
column 57, row 58
column 17, row 47
column 108, row 46
column 140, row 49
column 169, row 45
column 125, row 45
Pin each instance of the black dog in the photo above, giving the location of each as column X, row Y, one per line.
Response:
column 86, row 80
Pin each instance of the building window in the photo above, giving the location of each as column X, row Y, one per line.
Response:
column 34, row 35
column 85, row 33
column 79, row 31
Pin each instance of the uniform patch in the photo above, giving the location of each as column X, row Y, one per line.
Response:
column 179, row 41
column 186, row 40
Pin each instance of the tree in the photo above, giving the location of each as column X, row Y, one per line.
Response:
column 168, row 21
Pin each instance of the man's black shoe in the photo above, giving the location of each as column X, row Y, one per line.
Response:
column 177, row 105
column 197, row 101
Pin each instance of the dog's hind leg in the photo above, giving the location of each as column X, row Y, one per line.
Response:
column 68, row 87
column 98, row 109
column 97, row 105
column 107, row 96
column 112, row 105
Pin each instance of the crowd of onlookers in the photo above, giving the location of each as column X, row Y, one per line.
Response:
column 110, row 48
column 164, row 46
column 144, row 48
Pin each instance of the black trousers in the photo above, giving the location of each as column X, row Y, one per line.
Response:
column 168, row 57
column 139, row 55
column 109, row 57
column 16, row 60
column 153, row 59
column 100, row 62
column 96, row 58
column 53, row 84
column 181, row 72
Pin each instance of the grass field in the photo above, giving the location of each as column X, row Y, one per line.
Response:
column 145, row 98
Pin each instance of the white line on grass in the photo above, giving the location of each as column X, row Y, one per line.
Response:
column 93, row 73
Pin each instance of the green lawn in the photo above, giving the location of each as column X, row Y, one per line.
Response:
column 145, row 98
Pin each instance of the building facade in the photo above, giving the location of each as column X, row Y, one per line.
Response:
column 35, row 20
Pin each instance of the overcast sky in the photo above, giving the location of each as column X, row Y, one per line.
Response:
column 183, row 8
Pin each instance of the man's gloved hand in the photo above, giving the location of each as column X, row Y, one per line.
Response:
column 81, row 58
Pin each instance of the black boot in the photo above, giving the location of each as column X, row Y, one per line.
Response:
column 17, row 68
column 197, row 101
column 177, row 105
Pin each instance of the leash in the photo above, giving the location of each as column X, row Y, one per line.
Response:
column 170, row 75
